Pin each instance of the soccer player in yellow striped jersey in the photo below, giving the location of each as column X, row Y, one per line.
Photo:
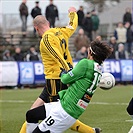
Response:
column 54, row 51
column 56, row 56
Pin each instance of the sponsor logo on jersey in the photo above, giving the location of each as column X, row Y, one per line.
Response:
column 86, row 98
column 82, row 104
column 58, row 33
column 71, row 74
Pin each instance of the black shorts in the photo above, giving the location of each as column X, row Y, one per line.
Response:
column 51, row 89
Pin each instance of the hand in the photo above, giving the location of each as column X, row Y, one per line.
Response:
column 70, row 66
column 63, row 71
column 72, row 9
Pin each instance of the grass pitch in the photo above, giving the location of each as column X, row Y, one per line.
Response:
column 106, row 110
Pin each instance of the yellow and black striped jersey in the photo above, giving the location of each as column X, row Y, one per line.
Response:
column 54, row 48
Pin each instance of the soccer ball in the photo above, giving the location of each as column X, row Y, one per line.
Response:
column 107, row 81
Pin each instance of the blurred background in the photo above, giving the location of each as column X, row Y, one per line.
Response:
column 106, row 20
column 22, row 72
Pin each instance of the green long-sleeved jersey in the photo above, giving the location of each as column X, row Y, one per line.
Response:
column 83, row 80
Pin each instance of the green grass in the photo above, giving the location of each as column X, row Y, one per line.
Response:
column 106, row 110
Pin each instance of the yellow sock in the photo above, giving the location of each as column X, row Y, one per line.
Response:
column 23, row 128
column 82, row 128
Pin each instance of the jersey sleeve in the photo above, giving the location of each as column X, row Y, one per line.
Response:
column 76, row 73
column 69, row 58
column 71, row 27
column 53, row 51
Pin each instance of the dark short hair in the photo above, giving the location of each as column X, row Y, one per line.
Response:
column 101, row 51
column 37, row 2
column 88, row 12
column 32, row 46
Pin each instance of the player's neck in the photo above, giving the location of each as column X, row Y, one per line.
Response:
column 90, row 58
column 44, row 30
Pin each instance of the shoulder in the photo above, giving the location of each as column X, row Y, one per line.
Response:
column 55, row 6
column 50, row 32
column 78, row 11
column 54, row 32
column 21, row 5
column 47, row 36
column 91, row 64
column 33, row 9
column 50, row 35
column 84, row 61
column 47, row 7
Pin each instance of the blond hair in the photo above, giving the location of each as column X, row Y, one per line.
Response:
column 40, row 20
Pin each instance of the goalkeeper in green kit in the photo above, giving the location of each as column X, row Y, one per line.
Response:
column 82, row 80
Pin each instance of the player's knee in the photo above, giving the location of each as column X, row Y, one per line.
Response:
column 30, row 117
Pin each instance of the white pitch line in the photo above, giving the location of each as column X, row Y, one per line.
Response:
column 23, row 101
column 129, row 120
column 105, row 103
column 15, row 101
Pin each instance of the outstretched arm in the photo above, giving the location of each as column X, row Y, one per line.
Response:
column 73, row 22
column 76, row 73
